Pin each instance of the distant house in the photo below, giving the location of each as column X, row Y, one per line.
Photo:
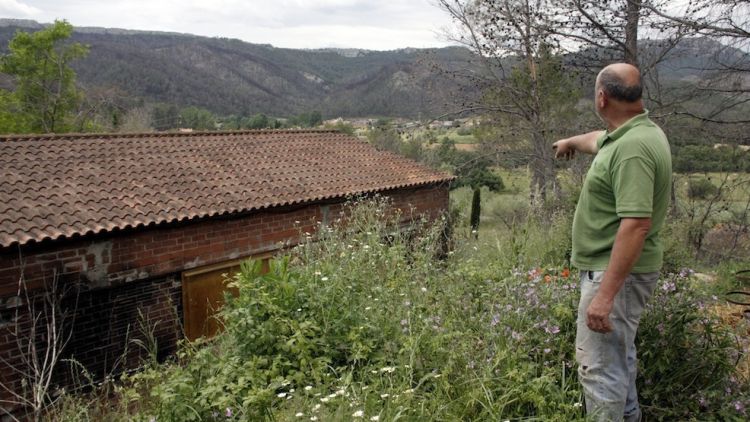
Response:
column 336, row 121
column 148, row 223
column 438, row 124
column 744, row 148
column 362, row 123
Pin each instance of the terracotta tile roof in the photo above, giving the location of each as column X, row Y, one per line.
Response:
column 54, row 186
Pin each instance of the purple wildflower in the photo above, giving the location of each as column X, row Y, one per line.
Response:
column 668, row 286
column 738, row 406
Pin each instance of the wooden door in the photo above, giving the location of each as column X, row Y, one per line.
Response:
column 203, row 295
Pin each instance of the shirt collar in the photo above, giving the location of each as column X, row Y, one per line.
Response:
column 617, row 133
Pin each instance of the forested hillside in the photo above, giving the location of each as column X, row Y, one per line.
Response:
column 229, row 76
column 232, row 77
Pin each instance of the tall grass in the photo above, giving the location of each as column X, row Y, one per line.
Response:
column 374, row 321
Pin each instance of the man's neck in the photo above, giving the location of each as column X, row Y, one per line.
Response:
column 618, row 118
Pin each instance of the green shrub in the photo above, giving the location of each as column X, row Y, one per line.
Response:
column 687, row 357
column 700, row 188
column 369, row 313
column 366, row 322
column 677, row 251
column 510, row 210
column 464, row 131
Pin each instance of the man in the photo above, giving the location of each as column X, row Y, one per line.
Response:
column 616, row 243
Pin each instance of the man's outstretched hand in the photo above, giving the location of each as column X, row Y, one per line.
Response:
column 585, row 143
column 564, row 149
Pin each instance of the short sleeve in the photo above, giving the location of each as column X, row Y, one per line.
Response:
column 602, row 139
column 633, row 187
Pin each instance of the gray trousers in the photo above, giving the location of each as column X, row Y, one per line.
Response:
column 607, row 363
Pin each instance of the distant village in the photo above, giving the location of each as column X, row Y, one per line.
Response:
column 361, row 125
column 401, row 123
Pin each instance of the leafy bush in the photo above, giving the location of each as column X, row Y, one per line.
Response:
column 412, row 148
column 365, row 322
column 706, row 158
column 464, row 131
column 700, row 188
column 310, row 119
column 342, row 127
column 677, row 252
column 510, row 210
column 385, row 139
column 687, row 357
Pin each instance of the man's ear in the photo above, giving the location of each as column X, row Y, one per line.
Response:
column 601, row 99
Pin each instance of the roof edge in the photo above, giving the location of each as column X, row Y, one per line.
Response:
column 112, row 135
column 437, row 182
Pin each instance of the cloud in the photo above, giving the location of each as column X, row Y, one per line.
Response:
column 377, row 38
column 17, row 9
column 371, row 24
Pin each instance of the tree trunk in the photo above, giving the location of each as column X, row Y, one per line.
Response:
column 543, row 174
column 632, row 13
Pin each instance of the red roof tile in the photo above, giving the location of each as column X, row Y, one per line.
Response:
column 54, row 186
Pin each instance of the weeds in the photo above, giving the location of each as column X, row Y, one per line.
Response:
column 365, row 324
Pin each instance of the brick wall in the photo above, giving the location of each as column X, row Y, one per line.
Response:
column 119, row 274
column 108, row 320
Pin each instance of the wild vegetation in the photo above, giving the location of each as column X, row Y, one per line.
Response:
column 369, row 322
column 467, row 318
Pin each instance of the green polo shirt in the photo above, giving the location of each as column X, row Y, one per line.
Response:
column 631, row 176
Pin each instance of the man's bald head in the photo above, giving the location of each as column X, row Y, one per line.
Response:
column 620, row 82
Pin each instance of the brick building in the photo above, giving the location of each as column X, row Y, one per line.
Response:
column 144, row 225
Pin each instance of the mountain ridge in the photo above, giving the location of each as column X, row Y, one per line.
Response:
column 232, row 77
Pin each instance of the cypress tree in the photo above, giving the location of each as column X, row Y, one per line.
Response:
column 475, row 211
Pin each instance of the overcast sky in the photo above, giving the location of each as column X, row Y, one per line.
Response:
column 369, row 24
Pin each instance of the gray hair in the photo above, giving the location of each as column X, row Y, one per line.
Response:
column 615, row 87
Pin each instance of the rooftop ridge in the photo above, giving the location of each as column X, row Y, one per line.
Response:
column 110, row 135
